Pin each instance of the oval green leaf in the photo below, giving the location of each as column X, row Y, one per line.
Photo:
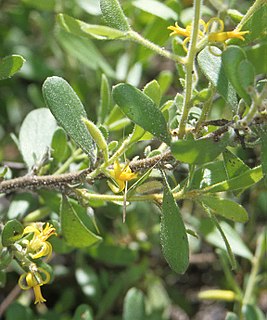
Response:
column 226, row 208
column 12, row 231
column 134, row 304
column 113, row 15
column 9, row 65
column 68, row 111
column 74, row 226
column 211, row 66
column 199, row 151
column 142, row 110
column 173, row 234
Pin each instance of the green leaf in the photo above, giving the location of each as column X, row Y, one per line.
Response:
column 59, row 145
column 12, row 232
column 156, row 8
column 134, row 305
column 173, row 235
column 234, row 166
column 246, row 74
column 3, row 276
column 244, row 180
column 213, row 236
column 231, row 316
column 152, row 90
column 211, row 66
column 141, row 110
column 252, row 312
column 83, row 29
column 74, row 226
column 226, row 208
column 232, row 58
column 85, row 51
column 36, row 135
column 105, row 99
column 113, row 254
column 48, row 5
column 113, row 15
column 88, row 281
column 9, row 65
column 256, row 25
column 199, row 151
column 6, row 256
column 255, row 54
column 18, row 311
column 68, row 111
column 263, row 136
column 83, row 312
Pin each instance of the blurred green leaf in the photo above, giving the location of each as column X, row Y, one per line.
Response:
column 213, row 236
column 156, row 8
column 226, row 208
column 199, row 151
column 141, row 109
column 173, row 235
column 36, row 135
column 83, row 29
column 105, row 99
column 252, row 312
column 59, row 145
column 152, row 90
column 48, row 5
column 211, row 66
column 3, row 275
column 113, row 15
column 83, row 312
column 255, row 54
column 134, row 305
column 74, row 228
column 68, row 111
column 20, row 205
column 19, row 312
column 113, row 254
column 244, row 180
column 9, row 65
column 231, row 316
column 233, row 58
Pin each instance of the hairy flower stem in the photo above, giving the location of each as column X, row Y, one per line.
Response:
column 189, row 69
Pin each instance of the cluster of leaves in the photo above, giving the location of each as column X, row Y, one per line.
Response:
column 205, row 170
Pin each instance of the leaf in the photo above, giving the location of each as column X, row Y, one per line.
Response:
column 83, row 29
column 105, row 99
column 199, row 151
column 134, row 305
column 68, row 111
column 213, row 236
column 244, row 180
column 173, row 235
column 88, row 281
column 85, row 51
column 48, row 5
column 12, row 231
column 156, row 8
column 231, row 59
column 59, row 145
column 9, row 65
column 152, row 90
column 36, row 135
column 74, row 229
column 255, row 55
column 226, row 208
column 252, row 312
column 141, row 110
column 246, row 74
column 211, row 66
column 231, row 316
column 113, row 15
column 234, row 166
column 83, row 312
column 263, row 137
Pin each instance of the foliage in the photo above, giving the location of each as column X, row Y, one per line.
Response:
column 105, row 175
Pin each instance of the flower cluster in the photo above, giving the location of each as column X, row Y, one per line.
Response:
column 37, row 247
column 210, row 32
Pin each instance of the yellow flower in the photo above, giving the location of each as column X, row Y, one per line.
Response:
column 34, row 280
column 38, row 246
column 206, row 31
column 121, row 175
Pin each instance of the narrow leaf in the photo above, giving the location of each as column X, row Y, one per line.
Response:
column 173, row 235
column 134, row 305
column 226, row 208
column 74, row 228
column 105, row 96
column 141, row 110
column 199, row 151
column 9, row 65
column 68, row 111
column 113, row 14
